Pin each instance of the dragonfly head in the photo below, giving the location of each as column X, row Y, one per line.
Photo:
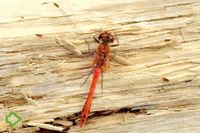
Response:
column 106, row 37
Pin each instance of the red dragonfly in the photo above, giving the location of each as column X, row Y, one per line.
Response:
column 99, row 64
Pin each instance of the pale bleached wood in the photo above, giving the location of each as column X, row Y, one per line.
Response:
column 165, row 122
column 46, row 126
column 159, row 40
column 64, row 123
column 27, row 130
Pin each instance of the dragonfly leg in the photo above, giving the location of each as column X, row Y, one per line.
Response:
column 117, row 42
column 86, row 78
column 96, row 39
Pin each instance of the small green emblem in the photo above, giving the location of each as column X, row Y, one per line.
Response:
column 13, row 119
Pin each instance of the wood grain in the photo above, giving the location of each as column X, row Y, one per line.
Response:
column 152, row 82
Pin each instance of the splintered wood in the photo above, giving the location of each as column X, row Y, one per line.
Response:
column 46, row 126
column 153, row 80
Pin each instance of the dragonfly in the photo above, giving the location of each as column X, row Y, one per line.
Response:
column 99, row 62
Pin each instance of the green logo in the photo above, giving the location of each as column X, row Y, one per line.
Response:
column 13, row 119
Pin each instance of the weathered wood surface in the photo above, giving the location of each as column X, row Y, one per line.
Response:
column 157, row 92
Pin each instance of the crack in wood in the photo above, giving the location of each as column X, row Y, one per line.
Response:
column 157, row 19
column 137, row 110
column 182, row 4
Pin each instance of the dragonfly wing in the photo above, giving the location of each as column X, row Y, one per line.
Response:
column 119, row 59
